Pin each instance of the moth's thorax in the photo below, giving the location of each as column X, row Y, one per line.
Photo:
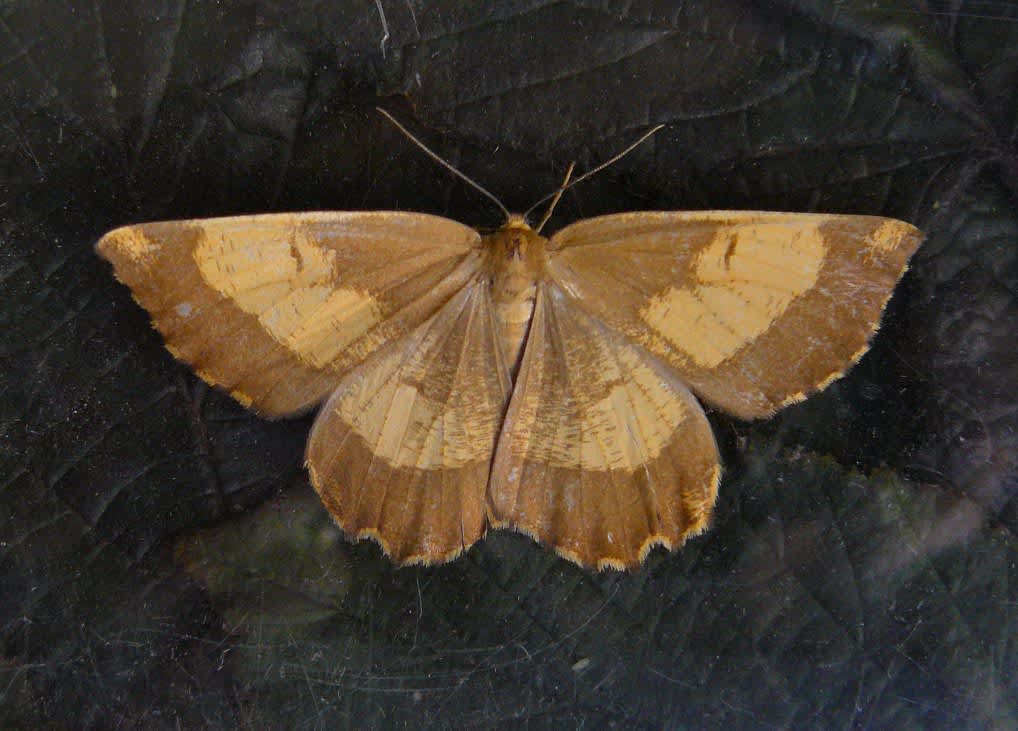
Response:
column 515, row 258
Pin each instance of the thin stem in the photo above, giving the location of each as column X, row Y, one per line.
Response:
column 448, row 166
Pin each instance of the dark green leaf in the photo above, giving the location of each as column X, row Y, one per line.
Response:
column 823, row 597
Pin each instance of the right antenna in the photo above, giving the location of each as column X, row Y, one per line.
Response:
column 566, row 185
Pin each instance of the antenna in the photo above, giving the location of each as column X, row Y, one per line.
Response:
column 564, row 187
column 554, row 202
column 434, row 156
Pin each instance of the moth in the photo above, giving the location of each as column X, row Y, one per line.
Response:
column 508, row 380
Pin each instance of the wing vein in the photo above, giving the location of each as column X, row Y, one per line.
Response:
column 610, row 477
column 398, row 374
column 567, row 387
column 468, row 306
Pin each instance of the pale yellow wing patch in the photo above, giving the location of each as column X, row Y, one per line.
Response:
column 276, row 308
column 887, row 238
column 742, row 282
column 623, row 424
column 604, row 452
column 289, row 284
column 755, row 310
column 401, row 452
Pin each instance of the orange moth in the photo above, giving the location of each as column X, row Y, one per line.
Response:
column 507, row 379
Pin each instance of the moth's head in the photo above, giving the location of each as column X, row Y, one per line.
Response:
column 514, row 250
column 516, row 221
column 517, row 240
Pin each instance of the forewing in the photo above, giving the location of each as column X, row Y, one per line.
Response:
column 401, row 452
column 604, row 452
column 755, row 310
column 276, row 308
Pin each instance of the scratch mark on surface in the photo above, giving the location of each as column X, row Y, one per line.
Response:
column 413, row 17
column 385, row 26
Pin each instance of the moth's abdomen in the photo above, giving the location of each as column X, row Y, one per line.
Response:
column 515, row 262
column 513, row 315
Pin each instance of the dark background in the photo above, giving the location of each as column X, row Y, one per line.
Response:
column 163, row 562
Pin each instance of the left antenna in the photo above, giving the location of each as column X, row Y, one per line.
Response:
column 447, row 165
